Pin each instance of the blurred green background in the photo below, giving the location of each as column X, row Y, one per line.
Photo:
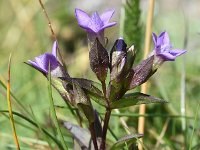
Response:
column 24, row 32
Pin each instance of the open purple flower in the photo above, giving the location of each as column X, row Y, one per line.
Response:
column 163, row 48
column 94, row 24
column 41, row 63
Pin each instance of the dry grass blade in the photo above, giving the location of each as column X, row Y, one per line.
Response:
column 10, row 107
column 52, row 31
column 142, row 108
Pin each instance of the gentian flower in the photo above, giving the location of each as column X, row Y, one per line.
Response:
column 94, row 25
column 41, row 63
column 163, row 48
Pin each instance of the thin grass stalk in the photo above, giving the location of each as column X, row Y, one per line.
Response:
column 12, row 122
column 59, row 53
column 13, row 96
column 183, row 78
column 150, row 115
column 52, row 31
column 19, row 123
column 53, row 112
column 40, row 128
column 141, row 121
column 34, row 124
column 194, row 126
column 164, row 129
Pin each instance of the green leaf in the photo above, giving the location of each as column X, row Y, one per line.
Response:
column 135, row 99
column 83, row 102
column 125, row 141
column 63, row 89
column 81, row 135
column 90, row 88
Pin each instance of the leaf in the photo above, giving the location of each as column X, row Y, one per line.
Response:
column 63, row 89
column 97, row 125
column 142, row 72
column 81, row 135
column 135, row 99
column 128, row 139
column 83, row 102
column 91, row 88
column 99, row 60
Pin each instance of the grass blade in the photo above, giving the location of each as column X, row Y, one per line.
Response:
column 53, row 112
column 10, row 107
column 194, row 126
column 3, row 84
column 34, row 124
column 40, row 128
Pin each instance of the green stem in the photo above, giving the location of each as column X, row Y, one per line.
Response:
column 194, row 126
column 53, row 112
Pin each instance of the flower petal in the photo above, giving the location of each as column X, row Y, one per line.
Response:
column 43, row 61
column 95, row 23
column 82, row 18
column 163, row 39
column 108, row 25
column 154, row 36
column 34, row 65
column 177, row 52
column 105, row 17
column 54, row 48
column 167, row 56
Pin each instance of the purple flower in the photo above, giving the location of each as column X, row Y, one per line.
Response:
column 94, row 24
column 41, row 63
column 163, row 48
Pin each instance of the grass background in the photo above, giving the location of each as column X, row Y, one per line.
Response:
column 24, row 32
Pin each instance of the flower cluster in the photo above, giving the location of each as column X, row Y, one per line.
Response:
column 79, row 92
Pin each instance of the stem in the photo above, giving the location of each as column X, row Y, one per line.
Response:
column 106, row 118
column 105, row 128
column 53, row 113
column 194, row 126
column 104, row 92
column 10, row 108
column 93, row 136
column 142, row 108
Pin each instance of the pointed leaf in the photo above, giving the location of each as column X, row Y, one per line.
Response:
column 81, row 135
column 142, row 72
column 91, row 88
column 63, row 89
column 135, row 99
column 83, row 102
column 97, row 125
column 126, row 140
column 99, row 60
